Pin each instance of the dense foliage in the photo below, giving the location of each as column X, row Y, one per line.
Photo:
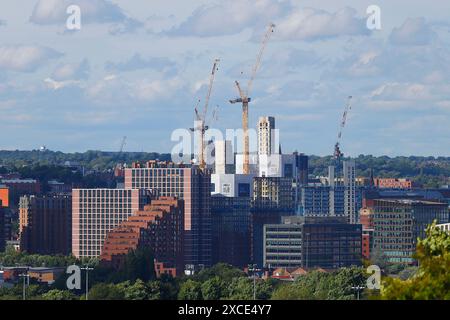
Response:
column 319, row 285
column 432, row 279
column 91, row 160
column 12, row 257
column 220, row 282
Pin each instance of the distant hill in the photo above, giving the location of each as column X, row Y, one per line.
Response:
column 91, row 160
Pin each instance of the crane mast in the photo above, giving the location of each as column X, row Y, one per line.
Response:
column 201, row 117
column 337, row 150
column 244, row 97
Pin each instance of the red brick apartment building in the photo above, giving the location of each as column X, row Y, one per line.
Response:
column 159, row 226
column 189, row 184
column 20, row 187
column 366, row 219
column 45, row 224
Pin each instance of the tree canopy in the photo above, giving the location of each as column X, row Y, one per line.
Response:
column 432, row 279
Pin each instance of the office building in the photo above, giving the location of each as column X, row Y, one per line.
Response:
column 273, row 192
column 302, row 167
column 224, row 157
column 95, row 212
column 266, row 136
column 273, row 197
column 259, row 217
column 232, row 185
column 312, row 242
column 283, row 244
column 331, row 243
column 45, row 224
column 158, row 227
column 230, row 230
column 397, row 223
column 186, row 183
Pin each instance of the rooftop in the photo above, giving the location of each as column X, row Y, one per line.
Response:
column 412, row 201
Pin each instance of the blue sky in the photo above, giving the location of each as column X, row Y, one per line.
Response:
column 136, row 68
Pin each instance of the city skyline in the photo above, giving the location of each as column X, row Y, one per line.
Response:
column 137, row 69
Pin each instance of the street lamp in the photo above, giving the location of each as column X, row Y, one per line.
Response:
column 253, row 268
column 27, row 282
column 87, row 280
column 358, row 289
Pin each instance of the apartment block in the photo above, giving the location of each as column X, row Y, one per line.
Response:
column 350, row 210
column 189, row 184
column 45, row 224
column 159, row 227
column 95, row 212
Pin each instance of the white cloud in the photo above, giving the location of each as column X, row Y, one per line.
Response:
column 25, row 58
column 414, row 31
column 313, row 24
column 114, row 89
column 401, row 91
column 230, row 17
column 56, row 85
column 156, row 89
column 72, row 71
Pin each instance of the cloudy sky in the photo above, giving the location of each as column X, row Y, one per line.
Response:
column 137, row 67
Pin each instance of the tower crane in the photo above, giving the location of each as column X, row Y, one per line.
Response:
column 244, row 96
column 122, row 146
column 337, row 151
column 201, row 125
